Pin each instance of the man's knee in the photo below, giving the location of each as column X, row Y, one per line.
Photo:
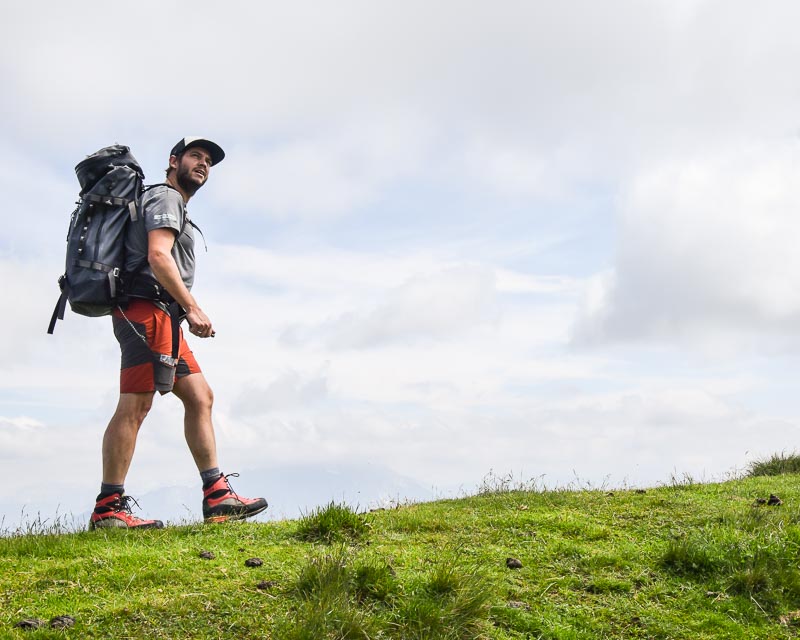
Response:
column 201, row 401
column 134, row 407
column 195, row 393
column 204, row 400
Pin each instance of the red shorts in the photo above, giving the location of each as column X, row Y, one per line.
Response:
column 144, row 332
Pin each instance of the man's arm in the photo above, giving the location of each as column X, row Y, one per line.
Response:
column 159, row 255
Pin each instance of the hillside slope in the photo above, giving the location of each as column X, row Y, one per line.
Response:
column 679, row 561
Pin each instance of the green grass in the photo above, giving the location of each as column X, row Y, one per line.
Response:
column 775, row 465
column 684, row 560
column 332, row 523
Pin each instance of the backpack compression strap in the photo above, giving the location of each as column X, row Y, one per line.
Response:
column 111, row 201
column 61, row 305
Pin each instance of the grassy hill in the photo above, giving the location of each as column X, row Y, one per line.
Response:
column 683, row 560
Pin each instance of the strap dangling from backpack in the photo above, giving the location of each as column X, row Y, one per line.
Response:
column 61, row 305
column 175, row 310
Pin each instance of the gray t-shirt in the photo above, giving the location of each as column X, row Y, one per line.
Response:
column 162, row 208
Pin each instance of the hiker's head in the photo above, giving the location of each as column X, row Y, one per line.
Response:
column 190, row 162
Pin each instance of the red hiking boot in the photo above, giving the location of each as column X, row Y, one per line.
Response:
column 221, row 503
column 114, row 511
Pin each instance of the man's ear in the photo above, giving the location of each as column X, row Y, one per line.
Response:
column 173, row 162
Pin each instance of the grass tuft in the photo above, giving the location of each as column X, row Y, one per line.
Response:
column 374, row 580
column 324, row 577
column 347, row 596
column 337, row 575
column 682, row 481
column 777, row 464
column 337, row 620
column 493, row 484
column 60, row 524
column 689, row 557
column 748, row 555
column 451, row 603
column 332, row 523
column 750, row 581
column 332, row 591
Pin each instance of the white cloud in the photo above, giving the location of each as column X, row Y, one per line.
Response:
column 638, row 436
column 382, row 328
column 538, row 74
column 289, row 390
column 431, row 306
column 337, row 272
column 509, row 281
column 323, row 174
column 706, row 243
column 24, row 443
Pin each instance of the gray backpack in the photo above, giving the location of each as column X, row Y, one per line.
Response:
column 112, row 183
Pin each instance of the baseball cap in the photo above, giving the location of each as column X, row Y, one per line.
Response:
column 217, row 154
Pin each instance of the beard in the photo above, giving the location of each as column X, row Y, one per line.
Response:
column 187, row 181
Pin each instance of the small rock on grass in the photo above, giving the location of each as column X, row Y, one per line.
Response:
column 513, row 563
column 253, row 562
column 516, row 604
column 31, row 623
column 265, row 584
column 772, row 501
column 62, row 622
column 207, row 555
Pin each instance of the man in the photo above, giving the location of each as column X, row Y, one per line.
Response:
column 155, row 357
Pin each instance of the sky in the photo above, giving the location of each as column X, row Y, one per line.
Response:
column 450, row 243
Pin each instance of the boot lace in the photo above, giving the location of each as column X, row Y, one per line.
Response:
column 124, row 504
column 230, row 488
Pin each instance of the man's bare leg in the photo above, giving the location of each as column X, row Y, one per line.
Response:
column 119, row 441
column 198, row 400
column 220, row 502
column 112, row 509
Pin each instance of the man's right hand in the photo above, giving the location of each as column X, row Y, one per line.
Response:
column 199, row 324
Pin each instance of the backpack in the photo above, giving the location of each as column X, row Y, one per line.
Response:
column 112, row 184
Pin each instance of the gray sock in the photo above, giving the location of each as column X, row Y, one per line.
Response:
column 108, row 489
column 209, row 476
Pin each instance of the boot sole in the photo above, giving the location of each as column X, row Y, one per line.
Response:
column 94, row 526
column 230, row 517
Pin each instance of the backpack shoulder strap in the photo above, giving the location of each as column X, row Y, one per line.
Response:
column 202, row 235
column 186, row 218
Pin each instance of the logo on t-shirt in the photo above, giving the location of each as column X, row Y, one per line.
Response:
column 164, row 217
